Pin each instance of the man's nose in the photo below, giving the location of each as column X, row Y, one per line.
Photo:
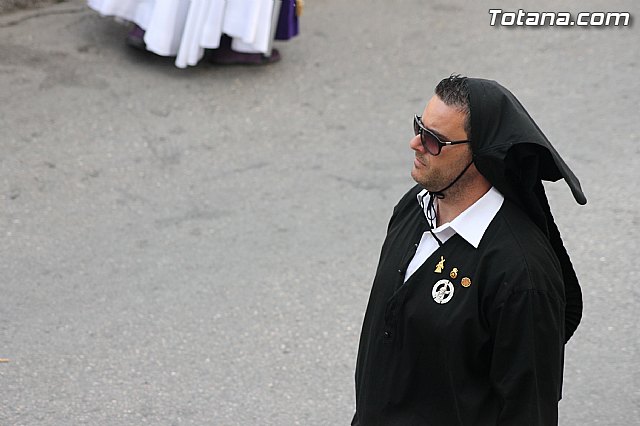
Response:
column 416, row 144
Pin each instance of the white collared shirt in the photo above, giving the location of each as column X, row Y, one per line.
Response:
column 470, row 225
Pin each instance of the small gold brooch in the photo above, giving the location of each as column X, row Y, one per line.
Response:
column 453, row 273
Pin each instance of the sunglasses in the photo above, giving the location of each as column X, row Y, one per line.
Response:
column 430, row 142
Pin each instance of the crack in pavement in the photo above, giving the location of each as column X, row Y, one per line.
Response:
column 40, row 14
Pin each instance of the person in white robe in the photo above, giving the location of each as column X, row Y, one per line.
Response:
column 185, row 28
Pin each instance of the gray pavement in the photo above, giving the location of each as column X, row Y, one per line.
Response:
column 196, row 246
column 13, row 5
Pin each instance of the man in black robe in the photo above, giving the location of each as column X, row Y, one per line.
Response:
column 475, row 296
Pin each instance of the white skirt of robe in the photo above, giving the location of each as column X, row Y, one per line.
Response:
column 184, row 28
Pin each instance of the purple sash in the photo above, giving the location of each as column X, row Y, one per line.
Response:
column 287, row 21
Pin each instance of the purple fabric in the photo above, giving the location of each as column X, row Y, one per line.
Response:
column 287, row 21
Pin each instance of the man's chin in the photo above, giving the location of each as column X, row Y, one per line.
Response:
column 422, row 180
column 416, row 175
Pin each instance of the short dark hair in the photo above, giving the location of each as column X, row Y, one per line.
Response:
column 453, row 91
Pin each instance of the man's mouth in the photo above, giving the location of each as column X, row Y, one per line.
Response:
column 419, row 162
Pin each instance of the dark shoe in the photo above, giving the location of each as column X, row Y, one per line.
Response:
column 230, row 57
column 135, row 38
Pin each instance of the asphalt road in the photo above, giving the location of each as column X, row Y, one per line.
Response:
column 196, row 246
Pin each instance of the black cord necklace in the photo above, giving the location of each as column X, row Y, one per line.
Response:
column 430, row 211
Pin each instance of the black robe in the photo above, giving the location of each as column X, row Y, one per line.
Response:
column 491, row 355
column 512, row 152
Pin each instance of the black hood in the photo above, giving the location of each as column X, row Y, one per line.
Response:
column 510, row 150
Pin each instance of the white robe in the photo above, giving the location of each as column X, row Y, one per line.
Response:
column 184, row 28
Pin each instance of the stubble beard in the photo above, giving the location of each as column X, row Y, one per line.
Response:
column 434, row 180
column 430, row 179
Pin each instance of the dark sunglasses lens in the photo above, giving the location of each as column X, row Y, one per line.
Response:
column 430, row 143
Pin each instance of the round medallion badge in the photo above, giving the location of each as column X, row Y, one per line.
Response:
column 442, row 291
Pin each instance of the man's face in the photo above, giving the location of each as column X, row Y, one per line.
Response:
column 436, row 172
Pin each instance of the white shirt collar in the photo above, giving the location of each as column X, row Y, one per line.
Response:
column 472, row 223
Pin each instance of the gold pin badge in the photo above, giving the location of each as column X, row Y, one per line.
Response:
column 440, row 265
column 453, row 273
column 466, row 282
